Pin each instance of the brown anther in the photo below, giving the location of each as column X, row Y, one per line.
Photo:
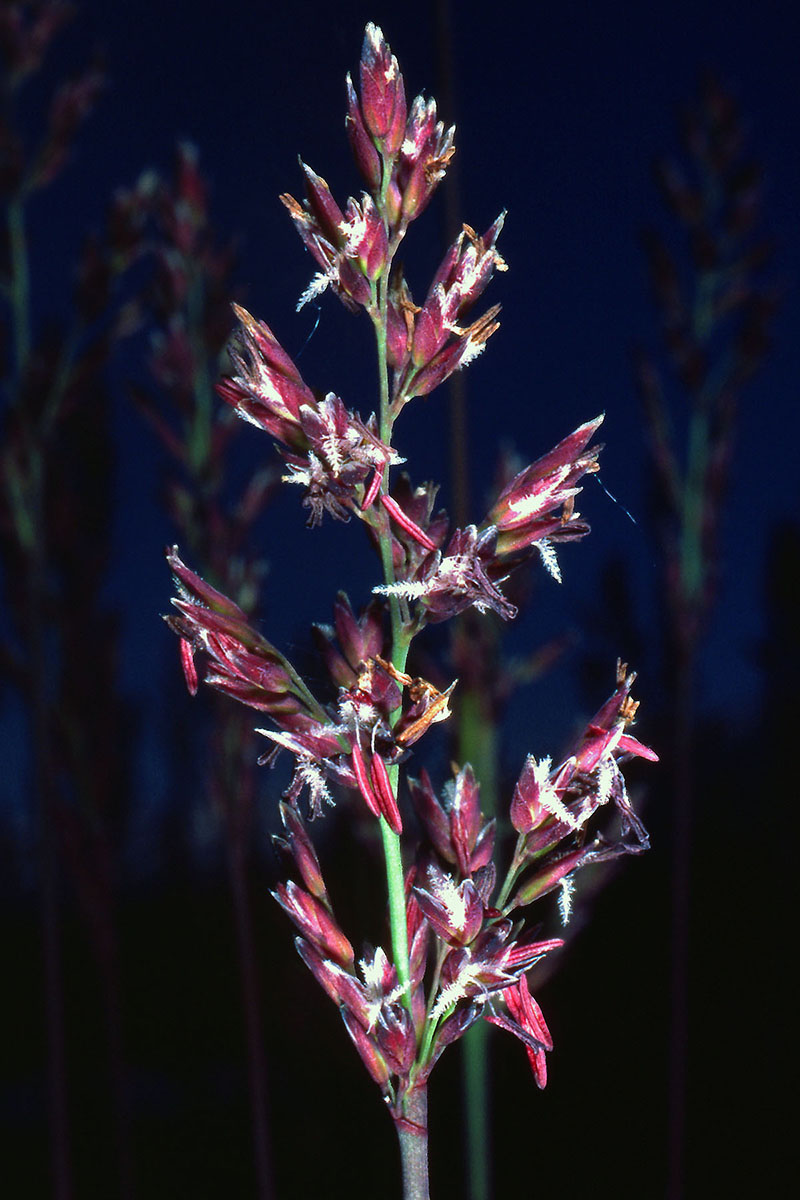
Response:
column 407, row 305
column 247, row 320
column 365, row 672
column 436, row 167
column 420, row 688
column 295, row 209
column 477, row 241
column 481, row 330
column 392, row 671
column 437, row 710
column 409, row 310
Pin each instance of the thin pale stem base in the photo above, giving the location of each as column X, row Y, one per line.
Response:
column 412, row 1134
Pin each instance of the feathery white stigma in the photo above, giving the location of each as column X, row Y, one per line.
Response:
column 565, row 899
column 449, row 895
column 457, row 990
column 409, row 589
column 549, row 559
column 317, row 286
column 547, row 795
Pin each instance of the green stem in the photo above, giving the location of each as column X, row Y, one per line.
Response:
column 432, row 1026
column 379, row 320
column 475, row 1052
column 395, row 885
column 393, row 859
column 411, row 1122
column 513, row 873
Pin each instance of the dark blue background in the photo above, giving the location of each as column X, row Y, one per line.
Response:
column 561, row 110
